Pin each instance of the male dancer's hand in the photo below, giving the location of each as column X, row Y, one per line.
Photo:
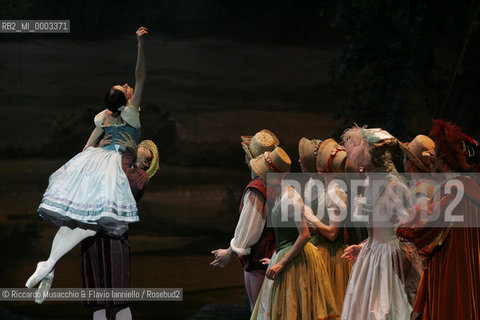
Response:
column 127, row 141
column 107, row 139
column 222, row 257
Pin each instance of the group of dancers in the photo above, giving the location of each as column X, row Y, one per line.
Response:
column 314, row 269
column 409, row 267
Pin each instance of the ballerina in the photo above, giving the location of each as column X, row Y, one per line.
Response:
column 327, row 160
column 91, row 192
column 382, row 264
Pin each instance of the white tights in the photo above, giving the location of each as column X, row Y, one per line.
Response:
column 124, row 314
column 65, row 240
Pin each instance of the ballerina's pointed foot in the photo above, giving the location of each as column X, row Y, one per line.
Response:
column 43, row 269
column 44, row 288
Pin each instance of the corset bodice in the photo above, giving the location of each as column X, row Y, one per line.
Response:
column 115, row 131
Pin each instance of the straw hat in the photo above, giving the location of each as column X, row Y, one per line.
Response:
column 332, row 157
column 276, row 161
column 262, row 141
column 150, row 145
column 419, row 151
column 307, row 149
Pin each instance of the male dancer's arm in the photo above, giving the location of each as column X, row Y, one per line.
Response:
column 137, row 178
column 248, row 231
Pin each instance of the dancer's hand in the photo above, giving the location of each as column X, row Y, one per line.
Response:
column 358, row 200
column 107, row 139
column 351, row 252
column 273, row 271
column 416, row 316
column 265, row 261
column 141, row 32
column 127, row 141
column 222, row 257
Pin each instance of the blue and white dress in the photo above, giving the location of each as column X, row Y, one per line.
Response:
column 91, row 191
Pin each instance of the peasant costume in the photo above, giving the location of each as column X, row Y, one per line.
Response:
column 338, row 269
column 105, row 261
column 450, row 285
column 91, row 191
column 253, row 240
column 386, row 269
column 301, row 290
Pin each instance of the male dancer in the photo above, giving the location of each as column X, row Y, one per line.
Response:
column 105, row 259
column 253, row 241
column 416, row 163
column 450, row 286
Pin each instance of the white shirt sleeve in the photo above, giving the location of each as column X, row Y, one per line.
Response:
column 336, row 200
column 397, row 200
column 292, row 204
column 250, row 224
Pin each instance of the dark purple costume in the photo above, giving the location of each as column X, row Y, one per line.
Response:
column 106, row 260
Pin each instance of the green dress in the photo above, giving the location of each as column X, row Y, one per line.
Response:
column 302, row 290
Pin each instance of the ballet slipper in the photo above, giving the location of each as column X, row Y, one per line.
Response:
column 44, row 287
column 43, row 269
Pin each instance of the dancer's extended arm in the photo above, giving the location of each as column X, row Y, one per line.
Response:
column 331, row 231
column 140, row 73
column 335, row 202
column 248, row 231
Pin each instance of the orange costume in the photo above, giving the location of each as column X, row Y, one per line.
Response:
column 450, row 286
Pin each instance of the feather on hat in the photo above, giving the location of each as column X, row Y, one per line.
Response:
column 359, row 142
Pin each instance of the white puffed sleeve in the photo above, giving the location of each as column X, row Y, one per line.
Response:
column 292, row 202
column 131, row 116
column 250, row 224
column 336, row 200
column 397, row 200
column 100, row 119
column 314, row 189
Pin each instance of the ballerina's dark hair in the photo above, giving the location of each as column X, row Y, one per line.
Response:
column 114, row 99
